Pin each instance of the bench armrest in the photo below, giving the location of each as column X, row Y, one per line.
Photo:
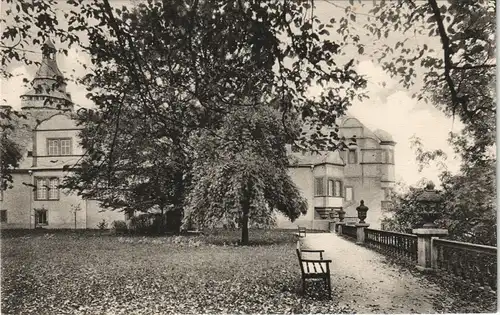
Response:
column 317, row 260
column 312, row 250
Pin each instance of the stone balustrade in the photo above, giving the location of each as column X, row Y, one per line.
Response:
column 349, row 230
column 401, row 245
column 474, row 263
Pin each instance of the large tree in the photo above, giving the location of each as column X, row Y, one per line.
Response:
column 468, row 211
column 137, row 167
column 240, row 173
column 164, row 70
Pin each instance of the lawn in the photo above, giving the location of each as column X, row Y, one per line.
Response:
column 82, row 273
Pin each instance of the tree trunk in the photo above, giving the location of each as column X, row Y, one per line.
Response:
column 245, row 208
column 174, row 220
column 244, row 229
column 174, row 216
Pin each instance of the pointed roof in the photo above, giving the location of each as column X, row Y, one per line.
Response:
column 49, row 68
column 48, row 82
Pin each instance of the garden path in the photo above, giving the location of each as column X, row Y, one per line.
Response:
column 363, row 280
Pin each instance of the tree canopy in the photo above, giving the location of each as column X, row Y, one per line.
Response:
column 469, row 204
column 240, row 173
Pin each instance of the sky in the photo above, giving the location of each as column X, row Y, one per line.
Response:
column 390, row 106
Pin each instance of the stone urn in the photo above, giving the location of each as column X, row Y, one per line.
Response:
column 341, row 213
column 430, row 200
column 362, row 209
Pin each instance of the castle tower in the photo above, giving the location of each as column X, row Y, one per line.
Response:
column 48, row 90
column 388, row 180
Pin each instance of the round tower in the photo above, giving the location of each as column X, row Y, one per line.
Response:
column 48, row 90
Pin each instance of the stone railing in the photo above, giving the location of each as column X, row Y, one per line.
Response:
column 350, row 220
column 474, row 263
column 349, row 230
column 396, row 244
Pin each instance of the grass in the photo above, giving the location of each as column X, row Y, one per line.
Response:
column 84, row 273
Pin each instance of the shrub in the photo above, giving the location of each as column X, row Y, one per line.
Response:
column 102, row 225
column 119, row 227
column 148, row 224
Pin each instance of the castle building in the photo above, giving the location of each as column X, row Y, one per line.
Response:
column 49, row 142
column 329, row 181
column 340, row 180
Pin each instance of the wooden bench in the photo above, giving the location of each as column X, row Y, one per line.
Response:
column 314, row 268
column 302, row 232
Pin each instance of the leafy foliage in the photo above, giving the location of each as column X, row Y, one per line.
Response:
column 163, row 71
column 458, row 79
column 119, row 227
column 12, row 133
column 102, row 225
column 240, row 173
column 469, row 207
column 147, row 224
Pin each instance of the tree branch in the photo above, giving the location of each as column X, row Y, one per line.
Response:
column 469, row 67
column 448, row 64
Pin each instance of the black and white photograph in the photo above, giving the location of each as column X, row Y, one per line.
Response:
column 248, row 157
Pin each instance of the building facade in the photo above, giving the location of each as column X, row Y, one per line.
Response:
column 340, row 180
column 50, row 145
column 329, row 181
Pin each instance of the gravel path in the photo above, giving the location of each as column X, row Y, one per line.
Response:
column 362, row 280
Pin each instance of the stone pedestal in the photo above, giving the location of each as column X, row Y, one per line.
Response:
column 424, row 246
column 331, row 226
column 360, row 232
column 340, row 227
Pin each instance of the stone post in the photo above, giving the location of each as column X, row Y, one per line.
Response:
column 340, row 227
column 361, row 225
column 331, row 226
column 426, row 255
column 434, row 254
column 341, row 222
column 360, row 232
